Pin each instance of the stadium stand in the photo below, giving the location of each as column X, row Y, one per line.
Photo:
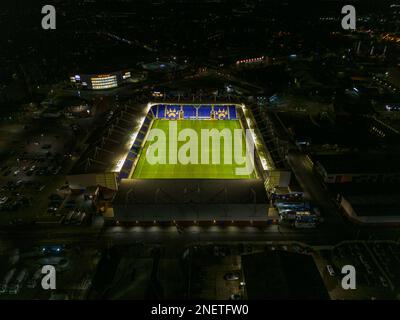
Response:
column 191, row 199
column 202, row 112
column 172, row 113
column 153, row 111
column 190, row 112
column 135, row 149
column 161, row 111
column 221, row 112
column 232, row 112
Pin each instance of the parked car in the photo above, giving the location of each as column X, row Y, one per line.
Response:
column 33, row 281
column 3, row 199
column 6, row 280
column 232, row 276
column 383, row 281
column 235, row 296
column 15, row 287
column 330, row 270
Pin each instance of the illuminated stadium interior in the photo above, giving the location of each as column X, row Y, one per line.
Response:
column 196, row 117
column 201, row 192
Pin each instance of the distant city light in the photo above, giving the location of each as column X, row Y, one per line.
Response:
column 251, row 60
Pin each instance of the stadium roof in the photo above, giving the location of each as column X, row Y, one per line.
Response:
column 276, row 275
column 191, row 199
column 108, row 143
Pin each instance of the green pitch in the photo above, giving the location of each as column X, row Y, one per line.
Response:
column 145, row 170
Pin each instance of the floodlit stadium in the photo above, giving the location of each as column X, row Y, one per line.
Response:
column 198, row 170
column 220, row 121
column 183, row 166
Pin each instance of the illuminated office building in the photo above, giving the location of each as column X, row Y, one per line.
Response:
column 100, row 81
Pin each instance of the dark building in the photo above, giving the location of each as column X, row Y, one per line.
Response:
column 200, row 200
column 277, row 275
column 361, row 167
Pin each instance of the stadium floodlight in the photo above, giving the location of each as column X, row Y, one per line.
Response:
column 119, row 164
column 264, row 162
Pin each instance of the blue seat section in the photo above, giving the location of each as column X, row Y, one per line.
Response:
column 140, row 136
column 153, row 111
column 205, row 112
column 189, row 112
column 123, row 175
column 135, row 149
column 146, row 122
column 128, row 163
column 172, row 112
column 221, row 108
column 222, row 112
column 232, row 113
column 161, row 111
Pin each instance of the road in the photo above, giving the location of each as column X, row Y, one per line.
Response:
column 303, row 169
column 99, row 237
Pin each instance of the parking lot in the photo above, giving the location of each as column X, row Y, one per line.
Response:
column 21, row 272
column 377, row 266
column 215, row 273
column 32, row 173
column 24, row 183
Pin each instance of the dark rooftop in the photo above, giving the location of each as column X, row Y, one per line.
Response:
column 277, row 275
column 106, row 144
column 360, row 163
column 191, row 199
